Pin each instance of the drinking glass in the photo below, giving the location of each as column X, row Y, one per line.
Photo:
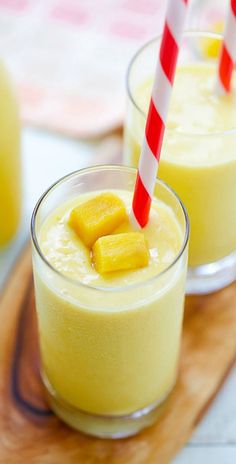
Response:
column 207, row 186
column 109, row 355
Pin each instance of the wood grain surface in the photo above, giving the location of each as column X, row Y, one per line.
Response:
column 30, row 433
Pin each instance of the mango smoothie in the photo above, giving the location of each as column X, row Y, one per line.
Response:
column 198, row 156
column 109, row 342
column 10, row 169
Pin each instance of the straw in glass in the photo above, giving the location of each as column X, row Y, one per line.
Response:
column 228, row 50
column 158, row 109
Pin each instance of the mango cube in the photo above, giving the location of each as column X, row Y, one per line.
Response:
column 97, row 217
column 120, row 252
column 211, row 47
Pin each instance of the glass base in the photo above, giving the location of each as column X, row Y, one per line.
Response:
column 104, row 426
column 211, row 277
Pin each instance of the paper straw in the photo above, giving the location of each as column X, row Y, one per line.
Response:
column 228, row 50
column 158, row 108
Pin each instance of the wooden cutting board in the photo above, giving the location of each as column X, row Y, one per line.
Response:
column 30, row 433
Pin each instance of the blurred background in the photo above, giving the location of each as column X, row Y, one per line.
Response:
column 69, row 57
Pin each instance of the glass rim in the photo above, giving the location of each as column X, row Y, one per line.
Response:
column 188, row 33
column 75, row 282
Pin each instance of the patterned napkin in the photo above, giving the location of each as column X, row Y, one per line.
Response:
column 69, row 58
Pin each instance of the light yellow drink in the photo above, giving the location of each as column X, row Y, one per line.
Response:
column 110, row 343
column 10, row 169
column 198, row 156
column 112, row 351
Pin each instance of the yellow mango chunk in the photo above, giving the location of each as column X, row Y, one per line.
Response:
column 211, row 47
column 97, row 217
column 120, row 252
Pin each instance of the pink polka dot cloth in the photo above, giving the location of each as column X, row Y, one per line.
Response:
column 69, row 58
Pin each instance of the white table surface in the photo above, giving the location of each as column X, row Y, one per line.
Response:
column 46, row 157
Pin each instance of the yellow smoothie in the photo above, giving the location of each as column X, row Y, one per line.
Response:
column 10, row 169
column 110, row 343
column 198, row 156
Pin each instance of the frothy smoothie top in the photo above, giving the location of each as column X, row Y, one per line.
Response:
column 67, row 253
column 196, row 107
column 201, row 123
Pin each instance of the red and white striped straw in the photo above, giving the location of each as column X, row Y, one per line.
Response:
column 158, row 109
column 228, row 50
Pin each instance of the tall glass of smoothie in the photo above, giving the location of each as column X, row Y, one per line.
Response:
column 109, row 322
column 198, row 155
column 10, row 165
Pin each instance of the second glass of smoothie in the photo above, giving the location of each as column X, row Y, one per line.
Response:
column 109, row 342
column 10, row 162
column 198, row 156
